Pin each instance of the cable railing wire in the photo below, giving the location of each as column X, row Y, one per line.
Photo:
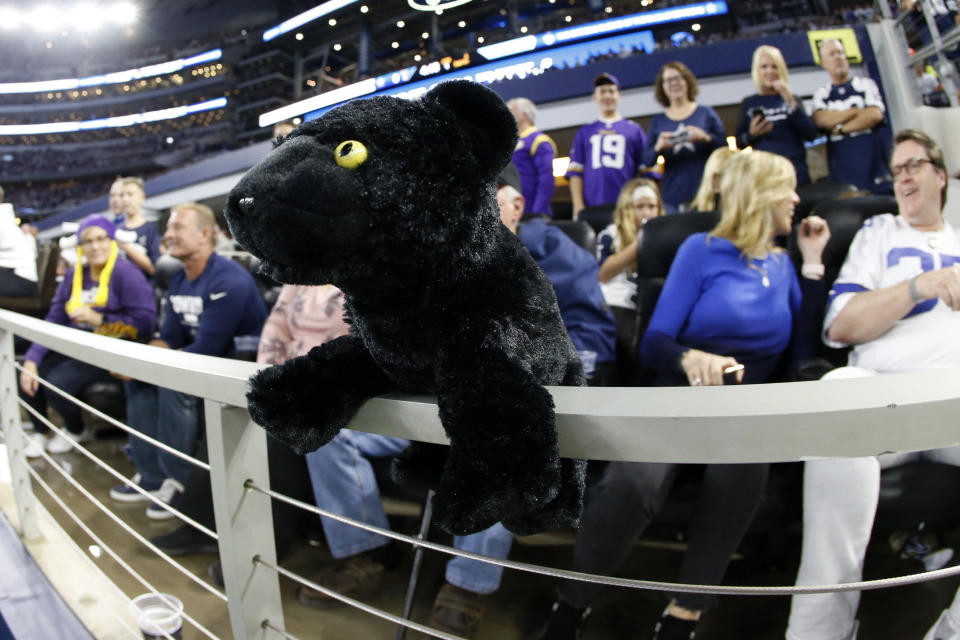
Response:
column 611, row 581
column 119, row 476
column 266, row 624
column 135, row 633
column 126, row 527
column 93, row 536
column 116, row 423
column 383, row 615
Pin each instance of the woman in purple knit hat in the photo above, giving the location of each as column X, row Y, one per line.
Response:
column 104, row 293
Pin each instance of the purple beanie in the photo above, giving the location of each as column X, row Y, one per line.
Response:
column 97, row 221
column 606, row 78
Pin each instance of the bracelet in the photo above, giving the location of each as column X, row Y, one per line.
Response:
column 808, row 270
column 912, row 287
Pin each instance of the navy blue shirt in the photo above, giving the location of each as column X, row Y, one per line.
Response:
column 148, row 239
column 573, row 272
column 858, row 158
column 206, row 314
column 790, row 130
column 683, row 164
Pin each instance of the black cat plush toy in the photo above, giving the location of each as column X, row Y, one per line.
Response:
column 393, row 201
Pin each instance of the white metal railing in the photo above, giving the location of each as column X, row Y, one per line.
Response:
column 780, row 422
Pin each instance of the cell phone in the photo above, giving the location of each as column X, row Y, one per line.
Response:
column 757, row 111
column 730, row 374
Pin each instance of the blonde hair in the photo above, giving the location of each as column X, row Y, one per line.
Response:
column 704, row 200
column 623, row 216
column 778, row 60
column 205, row 218
column 751, row 184
column 131, row 180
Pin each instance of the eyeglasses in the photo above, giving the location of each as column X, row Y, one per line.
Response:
column 92, row 241
column 672, row 79
column 911, row 166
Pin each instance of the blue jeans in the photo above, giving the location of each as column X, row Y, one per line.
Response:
column 343, row 482
column 171, row 417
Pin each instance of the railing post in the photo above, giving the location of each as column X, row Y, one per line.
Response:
column 238, row 452
column 16, row 442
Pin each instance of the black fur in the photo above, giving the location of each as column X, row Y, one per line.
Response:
column 442, row 297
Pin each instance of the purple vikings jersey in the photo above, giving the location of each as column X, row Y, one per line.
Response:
column 534, row 161
column 606, row 155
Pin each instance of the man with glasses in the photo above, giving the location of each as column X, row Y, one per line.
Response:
column 605, row 153
column 895, row 303
column 851, row 111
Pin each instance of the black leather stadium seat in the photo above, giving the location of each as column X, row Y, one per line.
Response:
column 598, row 217
column 816, row 192
column 580, row 232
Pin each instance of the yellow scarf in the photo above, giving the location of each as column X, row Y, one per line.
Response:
column 103, row 287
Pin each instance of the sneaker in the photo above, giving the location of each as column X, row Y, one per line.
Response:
column 937, row 559
column 36, row 443
column 59, row 444
column 564, row 622
column 671, row 628
column 169, row 491
column 457, row 611
column 126, row 493
column 355, row 576
column 185, row 541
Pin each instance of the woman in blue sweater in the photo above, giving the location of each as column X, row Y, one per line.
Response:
column 684, row 135
column 772, row 119
column 731, row 298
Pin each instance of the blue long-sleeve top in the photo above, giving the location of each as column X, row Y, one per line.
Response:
column 790, row 130
column 683, row 164
column 130, row 305
column 714, row 300
column 206, row 314
column 573, row 272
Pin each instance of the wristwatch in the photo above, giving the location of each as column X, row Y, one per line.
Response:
column 838, row 128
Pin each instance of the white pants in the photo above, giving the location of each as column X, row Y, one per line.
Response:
column 947, row 627
column 839, row 503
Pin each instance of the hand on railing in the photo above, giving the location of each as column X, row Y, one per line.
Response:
column 29, row 383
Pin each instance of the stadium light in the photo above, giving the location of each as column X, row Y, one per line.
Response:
column 435, row 5
column 85, row 17
column 44, row 18
column 109, row 123
column 9, row 18
column 123, row 13
column 307, row 16
column 116, row 77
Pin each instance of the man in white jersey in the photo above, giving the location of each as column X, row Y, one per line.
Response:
column 895, row 302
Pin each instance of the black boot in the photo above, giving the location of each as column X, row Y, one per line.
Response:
column 564, row 622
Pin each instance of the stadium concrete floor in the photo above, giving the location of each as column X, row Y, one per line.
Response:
column 519, row 607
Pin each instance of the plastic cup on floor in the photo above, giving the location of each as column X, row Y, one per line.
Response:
column 159, row 615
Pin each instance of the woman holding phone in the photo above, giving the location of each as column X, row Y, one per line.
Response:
column 729, row 309
column 772, row 119
column 685, row 135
